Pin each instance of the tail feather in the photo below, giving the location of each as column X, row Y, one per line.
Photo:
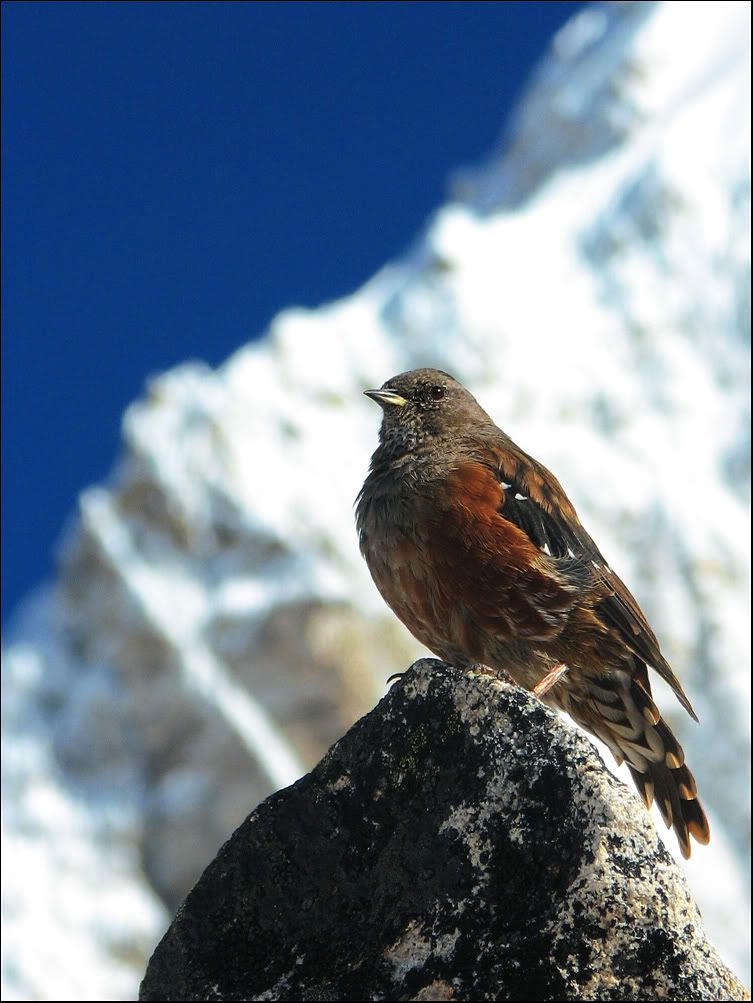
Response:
column 684, row 815
column 620, row 710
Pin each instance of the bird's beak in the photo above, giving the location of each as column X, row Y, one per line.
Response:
column 386, row 396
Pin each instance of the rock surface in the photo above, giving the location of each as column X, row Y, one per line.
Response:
column 213, row 628
column 460, row 842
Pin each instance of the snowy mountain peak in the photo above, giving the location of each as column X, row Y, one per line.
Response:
column 213, row 628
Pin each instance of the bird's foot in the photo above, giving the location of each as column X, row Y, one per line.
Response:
column 552, row 677
column 487, row 670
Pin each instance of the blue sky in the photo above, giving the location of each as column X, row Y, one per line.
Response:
column 176, row 173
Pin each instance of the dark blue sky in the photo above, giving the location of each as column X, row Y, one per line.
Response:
column 175, row 173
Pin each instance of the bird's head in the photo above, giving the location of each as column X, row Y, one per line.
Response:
column 422, row 406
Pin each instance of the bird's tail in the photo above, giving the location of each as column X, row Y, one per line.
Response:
column 621, row 712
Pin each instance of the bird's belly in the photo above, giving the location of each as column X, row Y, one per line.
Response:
column 462, row 598
column 398, row 567
column 426, row 601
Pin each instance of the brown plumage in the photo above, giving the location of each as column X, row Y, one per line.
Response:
column 478, row 551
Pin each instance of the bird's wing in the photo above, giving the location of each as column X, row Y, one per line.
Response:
column 483, row 566
column 532, row 499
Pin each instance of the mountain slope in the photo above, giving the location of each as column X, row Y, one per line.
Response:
column 213, row 628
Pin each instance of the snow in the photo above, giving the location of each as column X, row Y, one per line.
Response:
column 73, row 915
column 590, row 283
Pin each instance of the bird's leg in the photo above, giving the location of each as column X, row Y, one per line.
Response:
column 552, row 677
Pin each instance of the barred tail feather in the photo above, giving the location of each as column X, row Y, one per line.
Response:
column 621, row 712
column 682, row 814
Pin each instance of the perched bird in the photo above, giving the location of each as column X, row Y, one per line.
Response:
column 477, row 549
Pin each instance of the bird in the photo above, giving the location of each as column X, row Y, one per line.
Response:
column 478, row 551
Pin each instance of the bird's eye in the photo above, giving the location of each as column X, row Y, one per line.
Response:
column 437, row 393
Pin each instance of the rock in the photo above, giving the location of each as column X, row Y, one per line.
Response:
column 591, row 283
column 459, row 842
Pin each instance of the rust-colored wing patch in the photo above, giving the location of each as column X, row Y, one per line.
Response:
column 483, row 562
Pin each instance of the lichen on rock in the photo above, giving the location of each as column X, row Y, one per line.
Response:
column 459, row 842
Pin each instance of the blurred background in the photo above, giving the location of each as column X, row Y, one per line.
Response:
column 175, row 174
column 220, row 223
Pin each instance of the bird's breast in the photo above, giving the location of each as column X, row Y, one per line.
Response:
column 393, row 540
